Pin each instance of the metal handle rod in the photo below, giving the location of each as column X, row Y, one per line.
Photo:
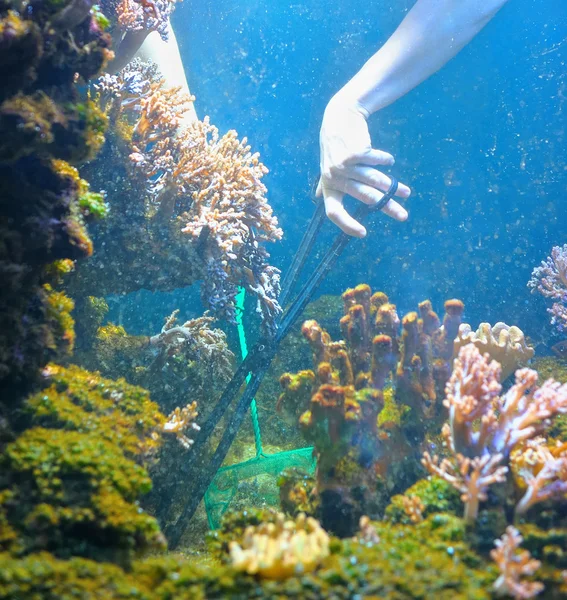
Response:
column 303, row 252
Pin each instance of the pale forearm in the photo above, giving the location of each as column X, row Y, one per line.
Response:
column 431, row 34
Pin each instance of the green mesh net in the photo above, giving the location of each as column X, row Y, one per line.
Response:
column 240, row 480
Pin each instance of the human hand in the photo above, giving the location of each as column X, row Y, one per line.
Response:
column 347, row 161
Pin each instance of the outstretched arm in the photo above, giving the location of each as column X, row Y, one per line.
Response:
column 430, row 35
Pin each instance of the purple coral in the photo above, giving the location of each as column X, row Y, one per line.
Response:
column 550, row 280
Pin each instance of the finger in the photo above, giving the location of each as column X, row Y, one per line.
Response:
column 376, row 179
column 371, row 157
column 319, row 190
column 339, row 216
column 372, row 196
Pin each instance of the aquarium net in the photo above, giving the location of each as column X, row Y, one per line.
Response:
column 254, row 481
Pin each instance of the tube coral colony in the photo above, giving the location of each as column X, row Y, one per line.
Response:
column 441, row 456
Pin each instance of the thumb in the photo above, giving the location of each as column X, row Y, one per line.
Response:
column 319, row 190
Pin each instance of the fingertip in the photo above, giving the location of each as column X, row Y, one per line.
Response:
column 319, row 190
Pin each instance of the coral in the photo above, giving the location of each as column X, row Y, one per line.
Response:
column 550, row 280
column 75, row 399
column 61, row 332
column 513, row 566
column 297, row 492
column 413, row 507
column 367, row 534
column 148, row 15
column 196, row 202
column 179, row 421
column 367, row 397
column 281, row 549
column 43, row 576
column 45, row 118
column 485, row 427
column 472, row 477
column 182, row 363
column 504, row 344
column 430, row 559
column 435, row 495
column 542, row 470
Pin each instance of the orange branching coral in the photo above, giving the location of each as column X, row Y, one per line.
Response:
column 413, row 507
column 148, row 15
column 209, row 185
column 513, row 566
column 472, row 477
column 281, row 549
column 179, row 421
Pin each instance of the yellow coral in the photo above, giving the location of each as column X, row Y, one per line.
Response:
column 281, row 549
column 504, row 344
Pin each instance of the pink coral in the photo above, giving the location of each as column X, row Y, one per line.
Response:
column 484, row 427
column 550, row 280
column 473, row 396
column 514, row 565
column 472, row 477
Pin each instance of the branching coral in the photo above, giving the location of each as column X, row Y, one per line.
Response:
column 147, row 15
column 550, row 280
column 208, row 345
column 206, row 188
column 281, row 549
column 542, row 470
column 484, row 427
column 513, row 566
column 184, row 362
column 472, row 477
column 179, row 421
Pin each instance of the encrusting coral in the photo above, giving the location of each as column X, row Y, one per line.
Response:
column 70, row 482
column 485, row 427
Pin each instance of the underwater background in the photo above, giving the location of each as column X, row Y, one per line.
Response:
column 481, row 143
column 384, row 455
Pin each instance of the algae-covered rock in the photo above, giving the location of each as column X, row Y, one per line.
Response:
column 43, row 576
column 69, row 484
column 436, row 495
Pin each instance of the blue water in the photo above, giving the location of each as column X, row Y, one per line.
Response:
column 481, row 143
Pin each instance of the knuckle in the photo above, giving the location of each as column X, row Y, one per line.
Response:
column 332, row 213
